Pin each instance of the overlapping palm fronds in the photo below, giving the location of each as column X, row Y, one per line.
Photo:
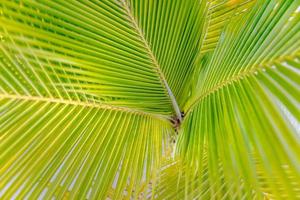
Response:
column 149, row 99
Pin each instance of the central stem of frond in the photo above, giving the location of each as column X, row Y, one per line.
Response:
column 154, row 60
column 176, row 121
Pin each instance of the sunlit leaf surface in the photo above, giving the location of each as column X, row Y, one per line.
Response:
column 150, row 99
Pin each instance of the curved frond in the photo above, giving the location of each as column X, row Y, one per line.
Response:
column 268, row 34
column 174, row 32
column 246, row 102
column 220, row 12
column 143, row 99
column 83, row 107
column 177, row 180
column 88, row 51
column 52, row 149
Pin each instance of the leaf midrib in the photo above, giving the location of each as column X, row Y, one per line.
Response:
column 156, row 65
column 251, row 71
column 80, row 103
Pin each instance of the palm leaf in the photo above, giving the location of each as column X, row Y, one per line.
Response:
column 75, row 119
column 219, row 13
column 130, row 99
column 238, row 103
column 175, row 177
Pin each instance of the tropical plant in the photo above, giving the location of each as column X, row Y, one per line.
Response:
column 150, row 99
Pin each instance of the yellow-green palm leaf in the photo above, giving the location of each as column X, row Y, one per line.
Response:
column 150, row 99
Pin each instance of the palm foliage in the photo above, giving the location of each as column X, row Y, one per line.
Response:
column 148, row 99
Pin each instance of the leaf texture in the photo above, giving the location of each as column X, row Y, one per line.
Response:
column 149, row 99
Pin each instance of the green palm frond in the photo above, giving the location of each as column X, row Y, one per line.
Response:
column 219, row 14
column 177, row 181
column 172, row 30
column 237, row 108
column 85, row 54
column 48, row 144
column 149, row 99
column 175, row 177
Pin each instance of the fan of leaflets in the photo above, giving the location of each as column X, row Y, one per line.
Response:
column 150, row 99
